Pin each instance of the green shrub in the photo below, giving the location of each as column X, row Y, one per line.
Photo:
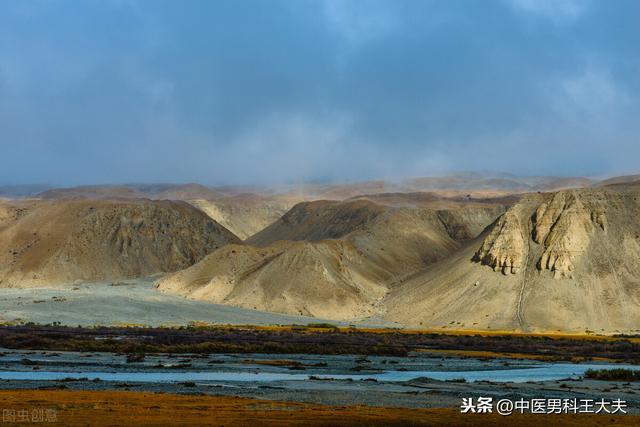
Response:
column 617, row 374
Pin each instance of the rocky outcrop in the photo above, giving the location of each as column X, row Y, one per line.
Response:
column 504, row 247
column 562, row 224
column 546, row 216
column 564, row 228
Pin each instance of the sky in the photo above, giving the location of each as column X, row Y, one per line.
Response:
column 254, row 92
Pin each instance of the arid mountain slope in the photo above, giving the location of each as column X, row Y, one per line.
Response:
column 55, row 242
column 328, row 279
column 244, row 214
column 625, row 179
column 436, row 201
column 329, row 259
column 476, row 184
column 318, row 220
column 565, row 261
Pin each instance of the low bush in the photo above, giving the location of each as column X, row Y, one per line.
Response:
column 617, row 374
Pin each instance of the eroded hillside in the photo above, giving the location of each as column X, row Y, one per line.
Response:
column 55, row 242
column 565, row 261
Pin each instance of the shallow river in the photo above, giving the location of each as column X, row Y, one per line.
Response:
column 418, row 380
column 547, row 372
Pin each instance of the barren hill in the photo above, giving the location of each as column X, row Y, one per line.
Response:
column 344, row 258
column 327, row 279
column 54, row 242
column 436, row 201
column 557, row 184
column 244, row 214
column 478, row 185
column 625, row 179
column 565, row 261
column 318, row 220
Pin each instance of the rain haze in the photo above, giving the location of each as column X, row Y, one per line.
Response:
column 296, row 91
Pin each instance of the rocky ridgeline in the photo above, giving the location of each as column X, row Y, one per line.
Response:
column 504, row 248
column 561, row 224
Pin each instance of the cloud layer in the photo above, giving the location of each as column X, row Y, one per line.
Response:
column 286, row 91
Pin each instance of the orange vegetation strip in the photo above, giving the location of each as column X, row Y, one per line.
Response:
column 121, row 408
column 497, row 333
column 454, row 332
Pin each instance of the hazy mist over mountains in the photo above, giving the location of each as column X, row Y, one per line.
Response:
column 276, row 92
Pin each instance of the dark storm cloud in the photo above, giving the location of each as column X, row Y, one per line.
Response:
column 255, row 91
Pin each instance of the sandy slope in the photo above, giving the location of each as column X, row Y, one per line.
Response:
column 244, row 214
column 318, row 220
column 329, row 259
column 45, row 242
